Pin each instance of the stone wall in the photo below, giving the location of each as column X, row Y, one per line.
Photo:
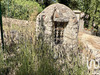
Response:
column 11, row 21
column 14, row 28
column 44, row 28
column 91, row 50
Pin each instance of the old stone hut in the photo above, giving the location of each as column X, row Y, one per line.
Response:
column 58, row 25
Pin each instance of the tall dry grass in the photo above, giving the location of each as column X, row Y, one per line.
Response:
column 25, row 55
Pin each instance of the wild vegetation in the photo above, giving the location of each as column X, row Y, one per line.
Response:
column 28, row 56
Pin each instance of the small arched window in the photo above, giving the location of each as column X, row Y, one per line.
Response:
column 58, row 31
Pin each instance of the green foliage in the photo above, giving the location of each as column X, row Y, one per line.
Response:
column 45, row 3
column 94, row 12
column 1, row 61
column 20, row 9
column 73, row 4
column 26, row 60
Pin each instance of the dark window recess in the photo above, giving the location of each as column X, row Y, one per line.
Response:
column 58, row 32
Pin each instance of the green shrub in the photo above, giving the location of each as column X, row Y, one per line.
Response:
column 19, row 9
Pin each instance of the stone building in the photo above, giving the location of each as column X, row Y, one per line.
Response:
column 58, row 25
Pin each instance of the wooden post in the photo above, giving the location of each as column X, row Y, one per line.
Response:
column 1, row 28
